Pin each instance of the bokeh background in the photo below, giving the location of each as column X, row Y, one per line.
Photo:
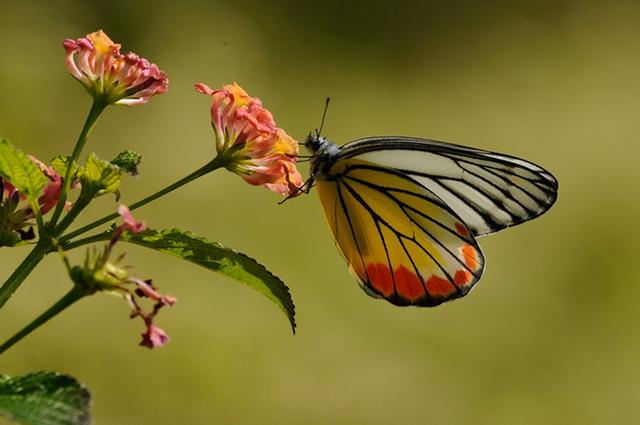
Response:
column 551, row 334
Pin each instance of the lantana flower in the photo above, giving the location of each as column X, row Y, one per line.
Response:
column 96, row 61
column 51, row 193
column 259, row 151
column 16, row 224
column 101, row 273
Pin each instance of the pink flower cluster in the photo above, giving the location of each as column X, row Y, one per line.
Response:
column 153, row 335
column 107, row 74
column 260, row 152
column 129, row 223
column 101, row 273
column 51, row 193
column 14, row 219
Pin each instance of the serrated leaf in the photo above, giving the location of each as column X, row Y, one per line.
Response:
column 216, row 257
column 99, row 177
column 59, row 163
column 44, row 398
column 18, row 169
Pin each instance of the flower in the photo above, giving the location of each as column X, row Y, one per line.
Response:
column 107, row 74
column 51, row 193
column 129, row 223
column 258, row 151
column 147, row 290
column 100, row 273
column 15, row 223
column 154, row 336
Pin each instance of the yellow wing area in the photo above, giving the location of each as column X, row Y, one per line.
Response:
column 400, row 240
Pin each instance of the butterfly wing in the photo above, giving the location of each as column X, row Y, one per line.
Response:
column 402, row 242
column 488, row 191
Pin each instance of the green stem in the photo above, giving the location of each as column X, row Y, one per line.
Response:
column 218, row 162
column 104, row 236
column 42, row 248
column 22, row 271
column 96, row 109
column 71, row 297
column 80, row 204
column 38, row 215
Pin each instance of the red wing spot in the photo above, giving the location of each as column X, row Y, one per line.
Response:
column 462, row 230
column 462, row 277
column 380, row 278
column 439, row 287
column 470, row 256
column 408, row 284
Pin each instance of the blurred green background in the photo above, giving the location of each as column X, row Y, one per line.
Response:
column 551, row 334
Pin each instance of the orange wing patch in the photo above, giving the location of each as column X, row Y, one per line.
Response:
column 400, row 240
column 470, row 255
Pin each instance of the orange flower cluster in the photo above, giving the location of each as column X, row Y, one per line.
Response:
column 259, row 151
column 107, row 74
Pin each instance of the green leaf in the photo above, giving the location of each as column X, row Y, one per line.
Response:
column 44, row 398
column 21, row 172
column 59, row 163
column 218, row 258
column 99, row 177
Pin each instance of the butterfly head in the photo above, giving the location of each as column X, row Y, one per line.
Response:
column 315, row 143
column 323, row 154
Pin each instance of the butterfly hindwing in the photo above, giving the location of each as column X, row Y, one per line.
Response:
column 488, row 191
column 402, row 242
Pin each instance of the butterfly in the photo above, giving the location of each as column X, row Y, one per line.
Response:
column 405, row 212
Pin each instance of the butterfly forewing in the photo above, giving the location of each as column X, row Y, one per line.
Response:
column 488, row 191
column 402, row 242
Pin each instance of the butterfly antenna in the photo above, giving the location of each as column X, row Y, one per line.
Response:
column 324, row 115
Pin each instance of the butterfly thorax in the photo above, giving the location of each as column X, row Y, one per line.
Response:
column 324, row 156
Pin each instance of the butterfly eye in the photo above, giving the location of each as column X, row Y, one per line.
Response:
column 313, row 142
column 309, row 140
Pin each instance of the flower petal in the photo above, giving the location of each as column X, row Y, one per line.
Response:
column 264, row 154
column 97, row 63
column 154, row 336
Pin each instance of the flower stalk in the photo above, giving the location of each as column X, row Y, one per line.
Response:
column 38, row 215
column 75, row 294
column 81, row 203
column 97, row 108
column 22, row 271
column 219, row 161
column 47, row 233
